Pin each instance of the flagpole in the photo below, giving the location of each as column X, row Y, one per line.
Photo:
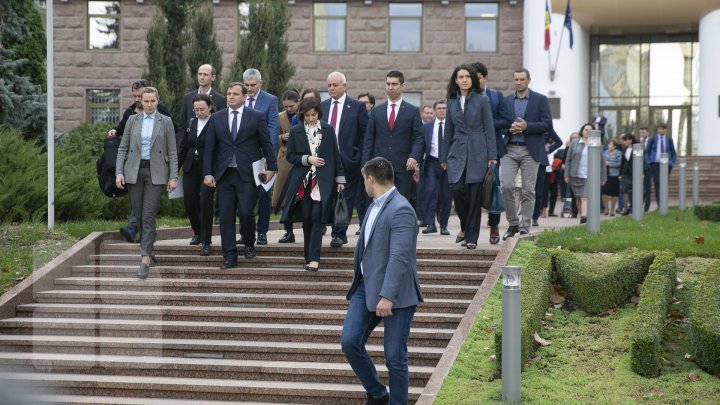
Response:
column 557, row 56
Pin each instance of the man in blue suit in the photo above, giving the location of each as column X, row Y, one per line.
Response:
column 267, row 104
column 657, row 145
column 525, row 150
column 385, row 286
column 437, row 188
column 236, row 137
column 349, row 119
column 394, row 132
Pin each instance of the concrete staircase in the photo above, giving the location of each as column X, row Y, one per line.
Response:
column 266, row 332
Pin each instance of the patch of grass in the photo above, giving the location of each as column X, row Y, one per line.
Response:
column 589, row 360
column 679, row 232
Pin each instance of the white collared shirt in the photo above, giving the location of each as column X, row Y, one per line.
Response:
column 201, row 124
column 230, row 117
column 435, row 142
column 339, row 105
column 397, row 107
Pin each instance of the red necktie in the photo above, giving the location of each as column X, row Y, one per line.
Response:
column 333, row 116
column 391, row 121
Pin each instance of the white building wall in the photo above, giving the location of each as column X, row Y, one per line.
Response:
column 708, row 137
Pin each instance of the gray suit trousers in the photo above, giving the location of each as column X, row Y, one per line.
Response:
column 145, row 201
column 518, row 158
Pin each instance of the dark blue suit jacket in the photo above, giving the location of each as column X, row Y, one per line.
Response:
column 353, row 124
column 651, row 150
column 404, row 141
column 252, row 144
column 427, row 130
column 267, row 104
column 501, row 118
column 539, row 122
column 187, row 112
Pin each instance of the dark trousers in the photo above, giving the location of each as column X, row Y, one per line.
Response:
column 553, row 192
column 403, row 183
column 263, row 213
column 468, row 206
column 539, row 189
column 653, row 173
column 235, row 197
column 359, row 324
column 421, row 198
column 145, row 201
column 352, row 197
column 198, row 202
column 312, row 228
column 437, row 192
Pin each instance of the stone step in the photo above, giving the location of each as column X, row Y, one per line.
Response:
column 228, row 369
column 97, row 400
column 294, row 273
column 227, row 299
column 195, row 388
column 296, row 250
column 203, row 348
column 218, row 314
column 206, row 330
column 241, row 286
column 436, row 264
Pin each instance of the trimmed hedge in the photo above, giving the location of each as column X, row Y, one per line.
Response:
column 657, row 291
column 709, row 212
column 705, row 320
column 597, row 283
column 535, row 298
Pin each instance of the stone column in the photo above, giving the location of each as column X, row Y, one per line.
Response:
column 708, row 143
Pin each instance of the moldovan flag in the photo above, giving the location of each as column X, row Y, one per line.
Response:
column 547, row 26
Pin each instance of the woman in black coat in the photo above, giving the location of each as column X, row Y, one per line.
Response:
column 316, row 173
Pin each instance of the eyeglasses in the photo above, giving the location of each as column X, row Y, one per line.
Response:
column 197, row 110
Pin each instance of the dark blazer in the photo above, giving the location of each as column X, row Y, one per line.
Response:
column 252, row 144
column 190, row 143
column 389, row 259
column 267, row 104
column 539, row 122
column 501, row 118
column 651, row 150
column 553, row 141
column 469, row 138
column 353, row 125
column 427, row 130
column 404, row 141
column 330, row 174
column 187, row 106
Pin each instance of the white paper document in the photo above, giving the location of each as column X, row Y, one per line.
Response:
column 178, row 192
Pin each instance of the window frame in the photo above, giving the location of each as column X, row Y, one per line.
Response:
column 344, row 20
column 88, row 28
column 90, row 105
column 406, row 18
column 496, row 19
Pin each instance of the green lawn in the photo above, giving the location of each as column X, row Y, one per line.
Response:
column 588, row 361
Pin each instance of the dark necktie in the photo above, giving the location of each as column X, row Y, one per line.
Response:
column 662, row 144
column 440, row 139
column 333, row 116
column 391, row 120
column 250, row 102
column 233, row 126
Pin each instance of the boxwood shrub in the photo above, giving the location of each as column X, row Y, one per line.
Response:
column 710, row 212
column 598, row 282
column 657, row 291
column 535, row 298
column 705, row 320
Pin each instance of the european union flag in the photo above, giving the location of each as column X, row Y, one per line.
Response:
column 568, row 22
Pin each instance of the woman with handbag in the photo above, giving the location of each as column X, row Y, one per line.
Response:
column 469, row 147
column 315, row 174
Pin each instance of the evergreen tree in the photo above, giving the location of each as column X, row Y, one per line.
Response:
column 22, row 105
column 264, row 45
column 203, row 46
column 21, row 29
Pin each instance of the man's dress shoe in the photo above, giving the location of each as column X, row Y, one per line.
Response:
column 195, row 240
column 205, row 250
column 287, row 238
column 250, row 252
column 262, row 238
column 429, row 229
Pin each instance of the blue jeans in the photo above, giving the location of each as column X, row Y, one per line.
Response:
column 359, row 324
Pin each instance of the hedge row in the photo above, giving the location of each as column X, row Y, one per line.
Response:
column 597, row 283
column 705, row 320
column 535, row 298
column 709, row 212
column 657, row 291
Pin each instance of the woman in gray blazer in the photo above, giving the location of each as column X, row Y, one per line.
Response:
column 576, row 170
column 469, row 147
column 147, row 162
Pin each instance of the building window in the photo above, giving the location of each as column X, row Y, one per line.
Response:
column 329, row 27
column 405, row 27
column 103, row 25
column 103, row 106
column 413, row 97
column 243, row 18
column 481, row 26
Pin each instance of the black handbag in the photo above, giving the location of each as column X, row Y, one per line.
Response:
column 105, row 167
column 340, row 212
column 488, row 185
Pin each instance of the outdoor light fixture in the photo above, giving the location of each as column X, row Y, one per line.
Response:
column 511, row 363
column 637, row 149
column 368, row 2
column 595, row 138
column 444, row 2
column 511, row 277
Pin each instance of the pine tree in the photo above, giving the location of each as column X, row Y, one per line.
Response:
column 21, row 29
column 203, row 47
column 22, row 105
column 264, row 46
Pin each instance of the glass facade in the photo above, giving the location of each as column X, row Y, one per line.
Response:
column 646, row 82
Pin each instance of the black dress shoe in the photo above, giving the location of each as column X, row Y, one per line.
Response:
column 287, row 238
column 535, row 222
column 262, row 238
column 379, row 401
column 430, row 229
column 444, row 231
column 336, row 242
column 512, row 231
column 153, row 261
column 229, row 264
column 205, row 250
column 240, row 241
column 459, row 239
column 250, row 252
column 143, row 271
column 195, row 240
column 583, row 220
column 310, row 268
column 523, row 231
column 357, row 232
column 128, row 233
column 552, row 215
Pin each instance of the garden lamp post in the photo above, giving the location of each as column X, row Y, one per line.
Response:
column 696, row 184
column 511, row 362
column 681, row 185
column 664, row 173
column 593, row 181
column 637, row 181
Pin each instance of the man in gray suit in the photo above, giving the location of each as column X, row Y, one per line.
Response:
column 385, row 285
